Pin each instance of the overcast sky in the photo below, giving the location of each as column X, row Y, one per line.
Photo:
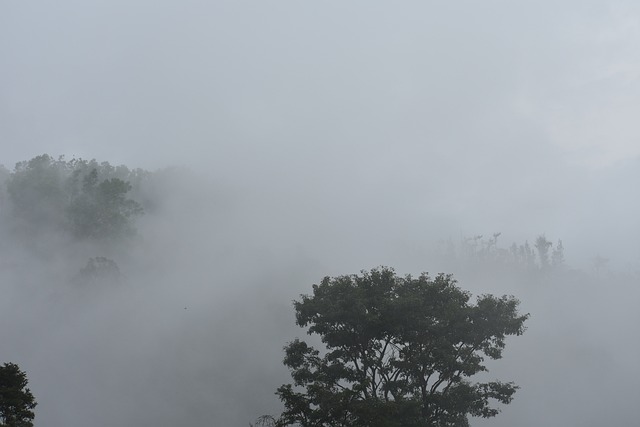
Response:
column 134, row 81
column 489, row 115
column 348, row 134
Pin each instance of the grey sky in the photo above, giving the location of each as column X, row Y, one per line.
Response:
column 498, row 108
column 329, row 127
column 132, row 82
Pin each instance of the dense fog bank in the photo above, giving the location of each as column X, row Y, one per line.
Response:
column 189, row 327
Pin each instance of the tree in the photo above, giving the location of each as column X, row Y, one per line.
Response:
column 4, row 178
column 36, row 190
column 83, row 197
column 543, row 245
column 399, row 352
column 98, row 271
column 102, row 209
column 557, row 256
column 16, row 401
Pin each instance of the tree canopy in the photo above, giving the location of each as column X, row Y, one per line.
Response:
column 16, row 401
column 399, row 351
column 86, row 198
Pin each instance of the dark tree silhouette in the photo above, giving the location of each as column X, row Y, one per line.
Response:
column 399, row 352
column 16, row 401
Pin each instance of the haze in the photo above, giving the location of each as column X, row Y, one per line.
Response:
column 304, row 139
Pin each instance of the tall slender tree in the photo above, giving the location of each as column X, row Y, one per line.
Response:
column 543, row 246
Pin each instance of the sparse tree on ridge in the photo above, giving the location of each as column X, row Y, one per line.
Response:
column 478, row 253
column 557, row 256
column 400, row 351
column 543, row 246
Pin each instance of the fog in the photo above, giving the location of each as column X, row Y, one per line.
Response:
column 293, row 140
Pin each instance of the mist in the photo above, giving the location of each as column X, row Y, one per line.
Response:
column 290, row 141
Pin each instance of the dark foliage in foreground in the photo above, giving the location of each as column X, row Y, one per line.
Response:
column 400, row 351
column 16, row 401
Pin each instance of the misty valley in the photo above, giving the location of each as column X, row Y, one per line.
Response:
column 134, row 297
column 319, row 214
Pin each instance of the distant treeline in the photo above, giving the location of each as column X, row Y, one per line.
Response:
column 541, row 256
column 87, row 199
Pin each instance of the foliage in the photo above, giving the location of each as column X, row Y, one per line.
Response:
column 557, row 256
column 264, row 421
column 476, row 252
column 100, row 270
column 399, row 352
column 16, row 401
column 543, row 246
column 36, row 189
column 83, row 197
column 4, row 177
column 102, row 209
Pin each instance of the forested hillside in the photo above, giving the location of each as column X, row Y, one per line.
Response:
column 86, row 199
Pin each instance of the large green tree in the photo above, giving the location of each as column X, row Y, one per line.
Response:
column 399, row 351
column 16, row 400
